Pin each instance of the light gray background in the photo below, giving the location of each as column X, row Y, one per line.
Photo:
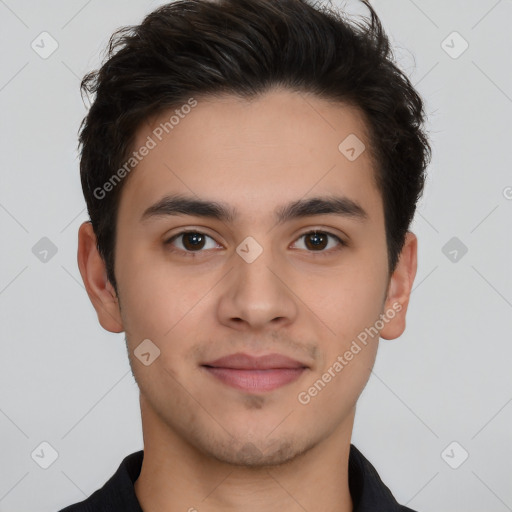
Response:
column 66, row 381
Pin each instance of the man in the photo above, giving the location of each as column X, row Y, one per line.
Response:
column 251, row 169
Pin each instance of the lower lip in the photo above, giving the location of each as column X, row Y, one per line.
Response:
column 256, row 380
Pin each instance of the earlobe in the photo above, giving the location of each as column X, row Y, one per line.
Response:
column 399, row 290
column 94, row 275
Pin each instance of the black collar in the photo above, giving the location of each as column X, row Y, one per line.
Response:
column 368, row 492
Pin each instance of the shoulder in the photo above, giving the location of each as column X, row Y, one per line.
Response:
column 117, row 493
column 368, row 491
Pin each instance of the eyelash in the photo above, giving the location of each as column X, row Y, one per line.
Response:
column 168, row 242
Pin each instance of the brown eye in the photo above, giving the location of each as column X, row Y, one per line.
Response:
column 318, row 241
column 191, row 241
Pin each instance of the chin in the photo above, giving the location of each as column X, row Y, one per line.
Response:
column 256, row 455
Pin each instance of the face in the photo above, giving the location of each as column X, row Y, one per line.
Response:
column 303, row 283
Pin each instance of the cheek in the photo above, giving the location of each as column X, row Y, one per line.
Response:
column 162, row 303
column 347, row 301
column 349, row 310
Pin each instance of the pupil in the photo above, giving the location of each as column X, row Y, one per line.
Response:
column 318, row 239
column 194, row 239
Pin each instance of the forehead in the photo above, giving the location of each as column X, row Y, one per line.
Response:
column 254, row 153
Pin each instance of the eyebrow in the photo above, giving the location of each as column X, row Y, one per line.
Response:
column 184, row 205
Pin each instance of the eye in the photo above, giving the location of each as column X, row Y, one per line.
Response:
column 318, row 241
column 191, row 241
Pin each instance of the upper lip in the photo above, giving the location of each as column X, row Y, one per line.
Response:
column 241, row 361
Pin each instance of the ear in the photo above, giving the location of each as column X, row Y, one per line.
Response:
column 399, row 288
column 94, row 275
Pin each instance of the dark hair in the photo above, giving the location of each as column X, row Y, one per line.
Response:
column 244, row 48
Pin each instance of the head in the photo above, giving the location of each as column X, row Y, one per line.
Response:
column 251, row 106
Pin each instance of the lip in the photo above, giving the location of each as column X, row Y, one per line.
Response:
column 241, row 361
column 255, row 373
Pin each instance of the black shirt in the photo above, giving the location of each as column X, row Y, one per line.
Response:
column 368, row 492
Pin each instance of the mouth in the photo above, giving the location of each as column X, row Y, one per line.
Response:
column 255, row 374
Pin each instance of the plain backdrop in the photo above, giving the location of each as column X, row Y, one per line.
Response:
column 438, row 394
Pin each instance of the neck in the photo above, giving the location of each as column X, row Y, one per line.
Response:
column 175, row 476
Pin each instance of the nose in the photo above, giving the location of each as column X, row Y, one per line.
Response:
column 257, row 295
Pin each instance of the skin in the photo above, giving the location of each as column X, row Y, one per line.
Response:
column 222, row 448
